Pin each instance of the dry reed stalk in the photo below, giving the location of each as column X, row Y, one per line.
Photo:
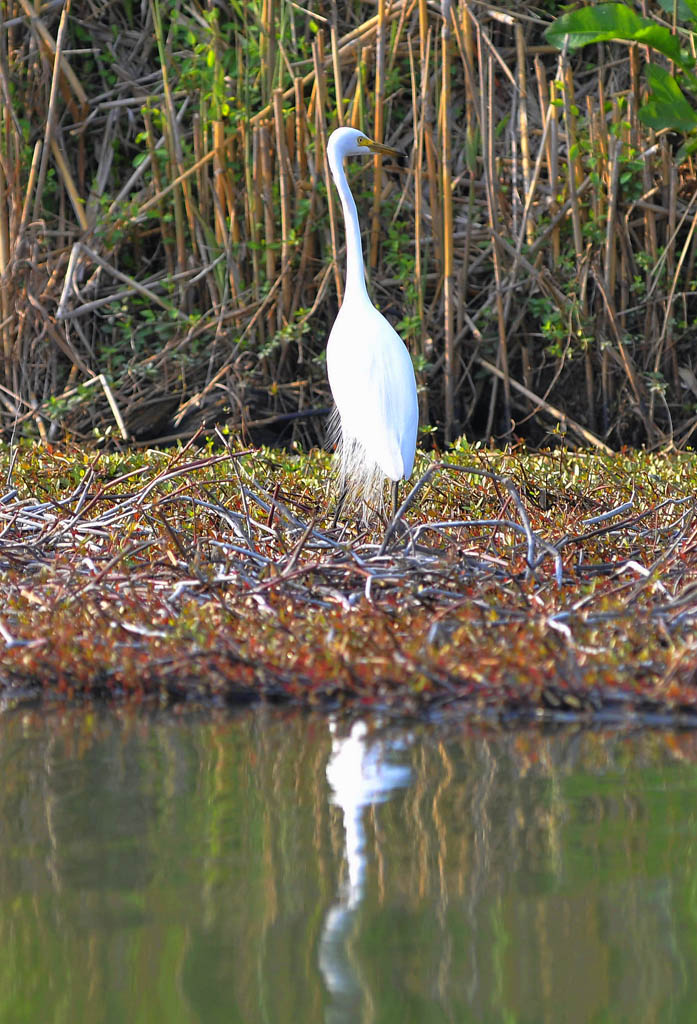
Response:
column 353, row 41
column 10, row 190
column 626, row 269
column 252, row 166
column 268, row 47
column 395, row 47
column 610, row 262
column 486, row 71
column 147, row 293
column 219, row 191
column 267, row 183
column 171, row 137
column 634, row 96
column 573, row 163
column 362, row 98
column 478, row 86
column 301, row 135
column 72, row 87
column 51, row 113
column 319, row 81
column 419, row 107
column 418, row 199
column 69, row 184
column 57, row 336
column 321, row 132
column 284, row 174
column 587, row 436
column 31, row 185
column 433, row 175
column 624, row 360
column 378, row 133
column 307, row 181
column 353, row 98
column 336, row 66
column 467, row 47
column 301, row 188
column 650, row 241
column 171, row 187
column 227, row 160
column 671, row 367
column 546, row 99
column 170, row 253
column 602, row 139
column 202, row 180
column 447, row 193
column 592, row 119
column 526, row 220
column 603, row 150
column 521, row 67
column 131, row 182
column 665, row 335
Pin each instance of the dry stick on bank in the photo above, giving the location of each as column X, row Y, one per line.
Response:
column 182, row 555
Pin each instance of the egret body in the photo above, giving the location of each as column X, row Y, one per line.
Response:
column 370, row 371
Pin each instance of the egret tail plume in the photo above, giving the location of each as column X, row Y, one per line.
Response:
column 359, row 475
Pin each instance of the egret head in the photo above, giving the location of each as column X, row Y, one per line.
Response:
column 350, row 142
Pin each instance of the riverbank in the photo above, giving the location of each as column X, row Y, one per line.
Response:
column 550, row 584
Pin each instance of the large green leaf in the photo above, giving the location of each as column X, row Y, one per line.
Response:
column 615, row 22
column 687, row 9
column 667, row 106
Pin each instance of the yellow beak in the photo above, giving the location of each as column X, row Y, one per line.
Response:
column 377, row 147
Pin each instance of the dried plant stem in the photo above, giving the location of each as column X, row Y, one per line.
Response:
column 448, row 275
column 322, row 137
column 51, row 118
column 486, row 118
column 378, row 132
column 574, row 175
column 285, row 193
column 336, row 66
column 419, row 108
column 523, row 117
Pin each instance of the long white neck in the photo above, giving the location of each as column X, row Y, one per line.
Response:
column 355, row 274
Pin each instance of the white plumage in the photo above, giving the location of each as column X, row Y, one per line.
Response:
column 370, row 371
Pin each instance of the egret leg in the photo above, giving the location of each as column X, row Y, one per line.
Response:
column 339, row 505
column 395, row 497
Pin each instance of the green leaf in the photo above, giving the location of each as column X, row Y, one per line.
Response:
column 687, row 9
column 667, row 106
column 686, row 150
column 615, row 22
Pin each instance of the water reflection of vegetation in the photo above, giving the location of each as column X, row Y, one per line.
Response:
column 182, row 870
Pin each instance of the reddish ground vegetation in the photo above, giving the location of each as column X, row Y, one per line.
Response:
column 551, row 584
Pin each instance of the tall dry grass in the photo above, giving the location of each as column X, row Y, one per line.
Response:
column 171, row 248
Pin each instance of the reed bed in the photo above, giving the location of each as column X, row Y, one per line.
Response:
column 564, row 589
column 171, row 250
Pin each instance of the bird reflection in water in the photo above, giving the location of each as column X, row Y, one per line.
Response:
column 359, row 776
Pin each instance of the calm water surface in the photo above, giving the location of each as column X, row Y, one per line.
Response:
column 279, row 867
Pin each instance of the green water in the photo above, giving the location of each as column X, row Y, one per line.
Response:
column 262, row 868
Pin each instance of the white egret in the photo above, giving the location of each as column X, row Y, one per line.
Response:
column 370, row 371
